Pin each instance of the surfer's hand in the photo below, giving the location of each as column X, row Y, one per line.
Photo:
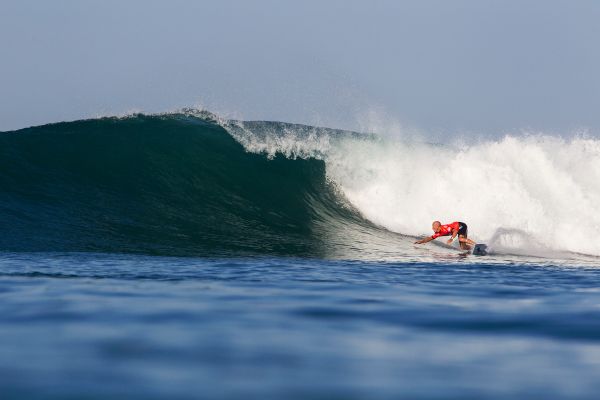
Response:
column 449, row 241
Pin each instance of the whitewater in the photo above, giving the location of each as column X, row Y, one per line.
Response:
column 534, row 194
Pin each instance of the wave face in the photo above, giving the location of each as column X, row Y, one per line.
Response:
column 191, row 184
column 172, row 184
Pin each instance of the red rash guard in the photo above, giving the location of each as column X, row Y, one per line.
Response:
column 446, row 230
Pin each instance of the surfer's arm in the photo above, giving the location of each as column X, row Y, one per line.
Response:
column 454, row 233
column 427, row 239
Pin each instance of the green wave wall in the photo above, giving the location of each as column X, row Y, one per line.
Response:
column 171, row 184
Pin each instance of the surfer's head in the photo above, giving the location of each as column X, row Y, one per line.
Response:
column 436, row 226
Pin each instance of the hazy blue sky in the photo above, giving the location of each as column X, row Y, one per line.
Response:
column 483, row 66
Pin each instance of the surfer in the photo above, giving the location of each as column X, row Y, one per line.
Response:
column 454, row 229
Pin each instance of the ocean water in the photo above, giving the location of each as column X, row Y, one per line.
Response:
column 182, row 256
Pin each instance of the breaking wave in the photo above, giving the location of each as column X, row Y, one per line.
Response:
column 191, row 183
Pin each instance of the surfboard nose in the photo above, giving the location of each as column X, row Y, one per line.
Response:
column 480, row 250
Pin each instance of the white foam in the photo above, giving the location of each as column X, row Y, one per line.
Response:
column 546, row 187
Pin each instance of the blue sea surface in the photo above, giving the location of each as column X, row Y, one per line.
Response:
column 97, row 326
